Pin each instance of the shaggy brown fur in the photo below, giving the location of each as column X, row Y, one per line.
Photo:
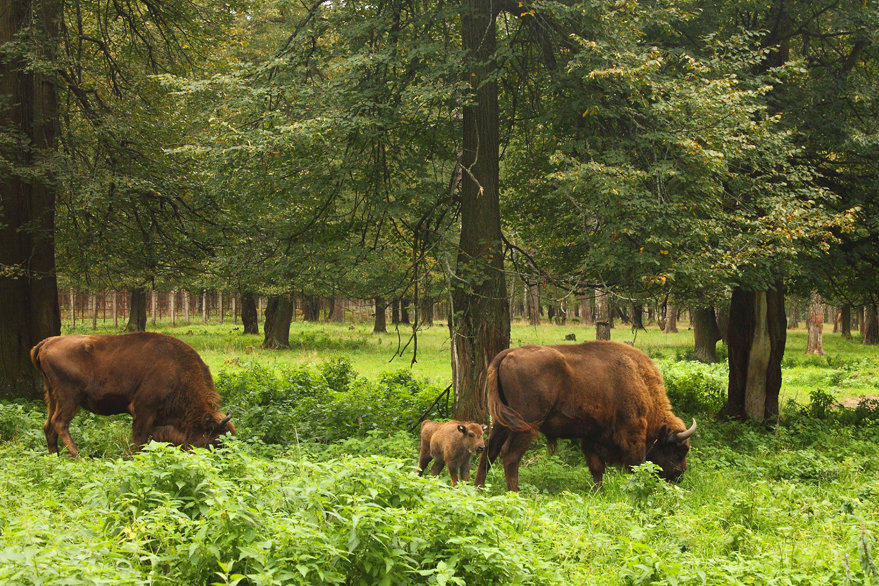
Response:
column 162, row 382
column 608, row 395
column 452, row 443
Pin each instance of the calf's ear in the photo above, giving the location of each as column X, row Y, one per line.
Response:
column 484, row 428
column 462, row 429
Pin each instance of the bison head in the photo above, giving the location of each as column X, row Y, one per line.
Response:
column 669, row 451
column 212, row 427
column 473, row 433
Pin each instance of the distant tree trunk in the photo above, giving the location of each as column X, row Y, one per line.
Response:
column 793, row 319
column 426, row 311
column 311, row 308
column 29, row 309
column 706, row 334
column 602, row 315
column 115, row 310
column 72, row 298
column 279, row 315
column 249, row 315
column 871, row 325
column 671, row 319
column 137, row 311
column 756, row 338
column 93, row 310
column 815, row 324
column 404, row 310
column 533, row 290
column 638, row 317
column 845, row 321
column 153, row 303
column 585, row 310
column 722, row 314
column 205, row 310
column 220, row 306
column 172, row 302
column 380, row 325
column 187, row 310
column 338, row 309
column 395, row 311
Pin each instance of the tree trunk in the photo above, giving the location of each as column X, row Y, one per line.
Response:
column 72, row 300
column 602, row 315
column 756, row 338
column 815, row 324
column 395, row 311
column 380, row 325
column 29, row 309
column 279, row 315
column 845, row 321
column 871, row 325
column 154, row 298
column 338, row 304
column 137, row 311
column 585, row 310
column 93, row 310
column 533, row 303
column 310, row 307
column 706, row 334
column 638, row 317
column 205, row 311
column 115, row 310
column 249, row 315
column 482, row 323
column 220, row 306
column 426, row 311
column 671, row 319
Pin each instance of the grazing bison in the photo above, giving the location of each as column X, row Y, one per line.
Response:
column 608, row 395
column 452, row 443
column 161, row 381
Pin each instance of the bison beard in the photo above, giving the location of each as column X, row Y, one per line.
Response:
column 159, row 380
column 608, row 395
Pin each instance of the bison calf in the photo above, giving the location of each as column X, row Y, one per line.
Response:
column 450, row 444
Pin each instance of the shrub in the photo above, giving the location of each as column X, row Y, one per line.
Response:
column 695, row 387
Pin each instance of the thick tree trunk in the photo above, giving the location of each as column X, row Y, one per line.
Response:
column 757, row 335
column 380, row 324
column 706, row 334
column 815, row 324
column 137, row 311
column 602, row 315
column 404, row 310
column 638, row 317
column 871, row 325
column 482, row 325
column 279, row 315
column 845, row 321
column 29, row 309
column 311, row 308
column 249, row 315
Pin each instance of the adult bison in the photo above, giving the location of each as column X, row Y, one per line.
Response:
column 608, row 395
column 162, row 382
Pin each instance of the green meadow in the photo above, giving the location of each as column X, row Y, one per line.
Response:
column 319, row 484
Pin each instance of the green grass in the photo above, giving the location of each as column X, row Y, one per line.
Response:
column 319, row 485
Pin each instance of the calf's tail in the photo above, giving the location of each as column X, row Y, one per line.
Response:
column 501, row 413
column 35, row 354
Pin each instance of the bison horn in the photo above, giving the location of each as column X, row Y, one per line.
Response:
column 224, row 420
column 682, row 435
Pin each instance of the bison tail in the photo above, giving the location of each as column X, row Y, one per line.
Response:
column 35, row 353
column 501, row 413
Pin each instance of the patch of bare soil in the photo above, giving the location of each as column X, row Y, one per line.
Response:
column 855, row 402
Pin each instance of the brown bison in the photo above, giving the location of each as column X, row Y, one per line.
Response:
column 608, row 395
column 162, row 382
column 452, row 444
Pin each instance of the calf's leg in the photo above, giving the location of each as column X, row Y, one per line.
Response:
column 49, row 427
column 60, row 423
column 424, row 459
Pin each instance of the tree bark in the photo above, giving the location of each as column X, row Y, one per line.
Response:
column 425, row 311
column 279, row 315
column 29, row 309
column 671, row 319
column 602, row 315
column 533, row 297
column 706, row 334
column 815, row 324
column 481, row 327
column 311, row 308
column 845, row 321
column 585, row 310
column 404, row 310
column 249, row 315
column 395, row 311
column 756, row 337
column 871, row 325
column 638, row 317
column 380, row 325
column 137, row 312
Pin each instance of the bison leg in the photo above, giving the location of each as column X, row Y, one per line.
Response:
column 453, row 474
column 496, row 439
column 60, row 424
column 141, row 429
column 437, row 467
column 424, row 459
column 514, row 449
column 49, row 427
column 595, row 462
column 465, row 469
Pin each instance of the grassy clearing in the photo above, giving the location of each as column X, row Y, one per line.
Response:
column 319, row 484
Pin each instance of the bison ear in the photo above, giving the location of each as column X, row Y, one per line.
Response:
column 462, row 429
column 666, row 435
